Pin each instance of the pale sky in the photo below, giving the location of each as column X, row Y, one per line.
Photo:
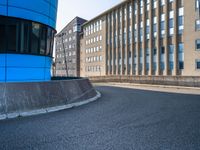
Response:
column 87, row 9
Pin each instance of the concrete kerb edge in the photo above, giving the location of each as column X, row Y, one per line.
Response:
column 50, row 109
column 147, row 85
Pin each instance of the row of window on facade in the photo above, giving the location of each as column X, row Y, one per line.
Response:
column 65, row 40
column 72, row 53
column 64, row 68
column 140, row 32
column 93, row 40
column 114, row 15
column 94, row 59
column 154, row 56
column 93, row 28
column 93, row 69
column 73, row 38
column 93, row 49
column 69, row 61
column 162, row 66
column 67, row 47
column 76, row 28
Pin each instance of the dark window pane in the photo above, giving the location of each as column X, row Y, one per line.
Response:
column 12, row 38
column 35, row 39
column 43, row 41
column 162, row 50
column 154, row 51
column 197, row 44
column 48, row 42
column 52, row 42
column 21, row 36
column 198, row 65
column 181, row 65
column 25, row 37
column 2, row 38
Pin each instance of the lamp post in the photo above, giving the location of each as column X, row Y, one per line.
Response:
column 100, row 70
column 66, row 68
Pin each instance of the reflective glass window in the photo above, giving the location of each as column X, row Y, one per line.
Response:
column 2, row 37
column 25, row 37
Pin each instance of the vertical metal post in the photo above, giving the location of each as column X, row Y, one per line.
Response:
column 66, row 68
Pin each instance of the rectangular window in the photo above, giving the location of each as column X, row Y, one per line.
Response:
column 197, row 25
column 198, row 64
column 180, row 24
column 12, row 38
column 48, row 42
column 197, row 4
column 171, row 57
column 43, row 42
column 181, row 55
column 2, row 38
column 25, row 41
column 198, row 44
column 35, row 38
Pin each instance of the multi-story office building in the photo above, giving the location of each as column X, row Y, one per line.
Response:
column 68, row 49
column 146, row 37
column 93, row 48
column 27, row 30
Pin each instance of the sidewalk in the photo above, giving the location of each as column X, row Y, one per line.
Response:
column 149, row 87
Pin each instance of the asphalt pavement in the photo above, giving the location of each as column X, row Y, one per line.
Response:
column 122, row 119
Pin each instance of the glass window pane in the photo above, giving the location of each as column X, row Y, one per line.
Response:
column 48, row 42
column 2, row 38
column 52, row 42
column 24, row 34
column 43, row 41
column 12, row 37
column 35, row 38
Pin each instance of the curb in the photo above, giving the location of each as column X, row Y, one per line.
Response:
column 157, row 88
column 50, row 109
column 146, row 85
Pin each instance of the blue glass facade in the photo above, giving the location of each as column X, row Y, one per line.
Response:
column 27, row 30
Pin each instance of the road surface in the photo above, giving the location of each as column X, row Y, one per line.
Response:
column 122, row 119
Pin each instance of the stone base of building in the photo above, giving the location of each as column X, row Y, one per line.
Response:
column 157, row 80
column 16, row 98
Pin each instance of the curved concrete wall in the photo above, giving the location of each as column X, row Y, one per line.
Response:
column 43, row 11
column 23, row 97
column 157, row 80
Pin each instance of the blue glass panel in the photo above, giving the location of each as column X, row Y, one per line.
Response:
column 2, row 60
column 52, row 23
column 25, row 61
column 38, row 6
column 53, row 13
column 2, row 74
column 54, row 3
column 47, row 74
column 26, row 14
column 3, row 10
column 25, row 74
column 27, row 68
column 48, row 62
column 3, row 2
column 43, row 11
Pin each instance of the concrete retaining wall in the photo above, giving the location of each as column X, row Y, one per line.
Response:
column 23, row 97
column 157, row 80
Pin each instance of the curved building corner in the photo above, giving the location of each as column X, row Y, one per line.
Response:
column 27, row 30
